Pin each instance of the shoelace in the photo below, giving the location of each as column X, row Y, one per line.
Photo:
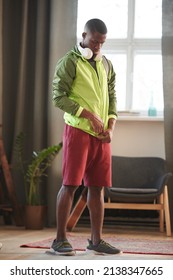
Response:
column 102, row 242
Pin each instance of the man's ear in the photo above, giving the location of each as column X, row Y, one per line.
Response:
column 83, row 35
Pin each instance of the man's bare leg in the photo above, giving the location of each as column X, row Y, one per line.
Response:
column 95, row 202
column 64, row 204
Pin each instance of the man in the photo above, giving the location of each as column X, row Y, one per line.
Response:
column 83, row 88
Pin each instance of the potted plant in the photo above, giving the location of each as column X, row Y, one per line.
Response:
column 33, row 173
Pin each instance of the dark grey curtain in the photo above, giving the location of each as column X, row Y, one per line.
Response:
column 167, row 54
column 25, row 71
column 35, row 33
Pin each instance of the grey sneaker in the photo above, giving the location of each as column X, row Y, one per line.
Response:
column 61, row 248
column 103, row 248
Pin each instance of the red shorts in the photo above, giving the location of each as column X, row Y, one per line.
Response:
column 85, row 158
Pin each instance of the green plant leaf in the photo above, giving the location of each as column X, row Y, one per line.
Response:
column 37, row 169
column 34, row 171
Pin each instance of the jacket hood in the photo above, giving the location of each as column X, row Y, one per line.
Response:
column 77, row 52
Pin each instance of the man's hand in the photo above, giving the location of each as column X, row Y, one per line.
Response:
column 106, row 136
column 95, row 121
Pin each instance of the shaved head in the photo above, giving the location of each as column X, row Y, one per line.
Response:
column 95, row 25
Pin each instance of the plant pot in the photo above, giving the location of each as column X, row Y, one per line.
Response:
column 35, row 216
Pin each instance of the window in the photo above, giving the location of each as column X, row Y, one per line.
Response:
column 134, row 47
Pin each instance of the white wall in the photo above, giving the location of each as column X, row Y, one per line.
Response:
column 139, row 136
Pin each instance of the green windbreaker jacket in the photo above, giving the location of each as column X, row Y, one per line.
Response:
column 77, row 85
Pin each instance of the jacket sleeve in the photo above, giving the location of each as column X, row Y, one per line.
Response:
column 64, row 76
column 112, row 113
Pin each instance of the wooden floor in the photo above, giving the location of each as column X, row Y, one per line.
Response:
column 12, row 237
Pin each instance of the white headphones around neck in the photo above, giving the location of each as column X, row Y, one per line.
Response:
column 87, row 53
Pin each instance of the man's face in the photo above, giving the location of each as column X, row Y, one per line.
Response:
column 94, row 41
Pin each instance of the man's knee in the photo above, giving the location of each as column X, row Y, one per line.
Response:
column 69, row 189
column 95, row 189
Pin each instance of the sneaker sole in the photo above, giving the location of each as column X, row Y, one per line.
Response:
column 102, row 253
column 51, row 251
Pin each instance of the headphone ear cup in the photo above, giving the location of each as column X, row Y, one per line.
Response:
column 85, row 52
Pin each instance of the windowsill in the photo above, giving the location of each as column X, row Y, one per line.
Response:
column 140, row 118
